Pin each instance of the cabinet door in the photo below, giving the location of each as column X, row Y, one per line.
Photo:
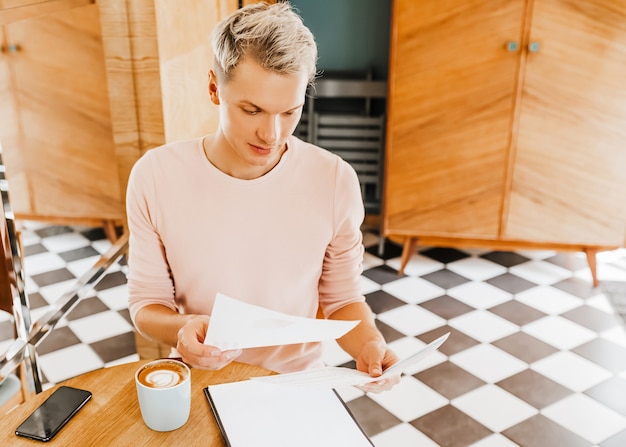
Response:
column 63, row 162
column 452, row 85
column 569, row 182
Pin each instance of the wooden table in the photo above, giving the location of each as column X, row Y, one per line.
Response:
column 113, row 418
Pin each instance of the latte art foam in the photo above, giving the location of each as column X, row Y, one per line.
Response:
column 162, row 374
column 163, row 379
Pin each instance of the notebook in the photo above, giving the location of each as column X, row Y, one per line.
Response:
column 253, row 413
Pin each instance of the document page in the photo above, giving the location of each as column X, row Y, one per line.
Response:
column 252, row 413
column 336, row 376
column 238, row 325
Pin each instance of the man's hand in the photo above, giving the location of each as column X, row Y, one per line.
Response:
column 195, row 353
column 374, row 358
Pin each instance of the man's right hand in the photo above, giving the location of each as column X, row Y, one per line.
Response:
column 195, row 353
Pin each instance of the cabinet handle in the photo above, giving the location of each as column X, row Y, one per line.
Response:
column 534, row 47
column 512, row 46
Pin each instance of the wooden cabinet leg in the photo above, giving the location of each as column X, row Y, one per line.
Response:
column 410, row 243
column 591, row 260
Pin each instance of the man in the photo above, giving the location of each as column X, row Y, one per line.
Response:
column 251, row 211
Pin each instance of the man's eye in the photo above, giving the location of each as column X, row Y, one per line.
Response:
column 251, row 112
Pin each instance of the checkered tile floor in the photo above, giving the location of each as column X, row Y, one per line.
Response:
column 536, row 356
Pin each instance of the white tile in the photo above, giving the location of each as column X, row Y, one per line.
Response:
column 476, row 269
column 606, row 272
column 571, row 370
column 495, row 440
column 541, row 272
column 406, row 346
column 483, row 325
column 488, row 363
column 559, row 332
column 371, row 261
column 480, row 295
column 65, row 242
column 349, row 393
column 413, row 290
column 418, row 265
column 82, row 266
column 42, row 262
column 368, row 286
column 493, row 407
column 549, row 300
column 616, row 334
column 99, row 326
column 69, row 362
column 115, row 298
column 403, row 435
column 601, row 302
column 101, row 245
column 53, row 292
column 411, row 320
column 537, row 254
column 409, row 399
column 586, row 417
column 333, row 355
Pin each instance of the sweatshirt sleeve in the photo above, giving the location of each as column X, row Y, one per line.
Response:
column 149, row 278
column 340, row 282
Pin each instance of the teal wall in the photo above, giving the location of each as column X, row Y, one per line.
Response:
column 351, row 35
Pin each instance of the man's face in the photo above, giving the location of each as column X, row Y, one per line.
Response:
column 259, row 110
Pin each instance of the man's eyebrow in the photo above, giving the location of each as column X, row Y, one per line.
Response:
column 245, row 102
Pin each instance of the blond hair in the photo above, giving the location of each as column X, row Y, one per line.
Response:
column 274, row 35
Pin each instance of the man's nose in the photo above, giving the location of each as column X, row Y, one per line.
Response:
column 269, row 132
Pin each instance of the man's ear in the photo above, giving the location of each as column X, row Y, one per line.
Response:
column 215, row 99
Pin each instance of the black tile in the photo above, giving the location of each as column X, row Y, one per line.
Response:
column 611, row 393
column 53, row 230
column 511, row 283
column 592, row 318
column 79, row 253
column 390, row 250
column 382, row 274
column 34, row 249
column 52, row 277
column 381, row 301
column 35, row 301
column 569, row 261
column 111, row 280
column 125, row 313
column 446, row 279
column 444, row 255
column 59, row 338
column 456, row 342
column 539, row 431
column 505, row 258
column 116, row 347
column 450, row 427
column 604, row 353
column 87, row 307
column 616, row 292
column 372, row 417
column 7, row 330
column 94, row 234
column 578, row 287
column 389, row 333
column 349, row 364
column 446, row 307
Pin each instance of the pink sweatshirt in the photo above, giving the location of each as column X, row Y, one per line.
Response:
column 287, row 241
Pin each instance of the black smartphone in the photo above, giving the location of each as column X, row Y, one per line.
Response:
column 53, row 413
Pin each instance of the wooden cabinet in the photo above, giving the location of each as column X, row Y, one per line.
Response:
column 86, row 87
column 506, row 124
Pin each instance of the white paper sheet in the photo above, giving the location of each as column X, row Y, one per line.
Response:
column 335, row 377
column 257, row 414
column 238, row 325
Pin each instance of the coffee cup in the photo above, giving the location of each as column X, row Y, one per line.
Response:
column 164, row 394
